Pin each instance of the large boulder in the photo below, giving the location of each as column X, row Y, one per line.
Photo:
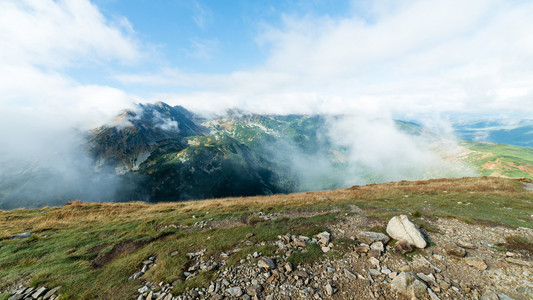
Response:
column 401, row 228
column 409, row 285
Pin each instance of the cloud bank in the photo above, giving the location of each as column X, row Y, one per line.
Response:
column 407, row 57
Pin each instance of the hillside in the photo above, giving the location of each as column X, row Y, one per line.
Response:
column 501, row 160
column 170, row 154
column 263, row 246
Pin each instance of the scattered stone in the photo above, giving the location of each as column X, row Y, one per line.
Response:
column 475, row 262
column 174, row 253
column 301, row 274
column 369, row 237
column 326, row 249
column 136, row 275
column 323, row 238
column 234, row 291
column 254, row 290
column 40, row 291
column 432, row 295
column 349, row 274
column 288, row 267
column 402, row 247
column 465, row 244
column 490, row 295
column 363, row 248
column 374, row 253
column 405, row 268
column 385, row 271
column 377, row 246
column 266, row 263
column 330, row 290
column 429, row 279
column 21, row 235
column 519, row 262
column 409, row 285
column 454, row 250
column 401, row 228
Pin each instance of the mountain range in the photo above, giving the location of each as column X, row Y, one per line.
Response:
column 173, row 154
column 157, row 152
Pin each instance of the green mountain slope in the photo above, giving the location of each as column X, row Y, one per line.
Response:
column 502, row 160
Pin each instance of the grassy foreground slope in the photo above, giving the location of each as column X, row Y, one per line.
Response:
column 91, row 249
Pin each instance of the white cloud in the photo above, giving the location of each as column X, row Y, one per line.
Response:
column 57, row 33
column 202, row 15
column 404, row 56
column 41, row 39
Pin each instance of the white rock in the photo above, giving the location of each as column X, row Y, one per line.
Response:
column 378, row 246
column 323, row 238
column 234, row 291
column 401, row 228
column 408, row 284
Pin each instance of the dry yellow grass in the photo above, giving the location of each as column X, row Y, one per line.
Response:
column 77, row 213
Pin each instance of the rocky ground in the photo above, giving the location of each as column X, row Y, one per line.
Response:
column 461, row 261
column 342, row 250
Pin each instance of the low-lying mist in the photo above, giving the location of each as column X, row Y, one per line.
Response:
column 355, row 150
column 44, row 160
column 47, row 162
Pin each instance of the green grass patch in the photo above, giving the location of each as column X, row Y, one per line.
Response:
column 312, row 254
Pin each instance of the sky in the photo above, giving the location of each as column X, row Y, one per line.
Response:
column 81, row 61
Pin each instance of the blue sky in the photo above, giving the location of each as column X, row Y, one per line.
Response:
column 213, row 37
column 210, row 36
column 83, row 60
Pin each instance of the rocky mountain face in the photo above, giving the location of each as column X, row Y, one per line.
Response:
column 133, row 135
column 170, row 154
